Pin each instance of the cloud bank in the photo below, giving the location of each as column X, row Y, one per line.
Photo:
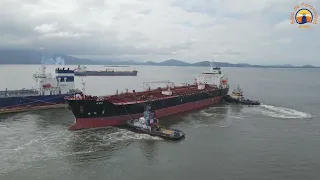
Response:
column 246, row 31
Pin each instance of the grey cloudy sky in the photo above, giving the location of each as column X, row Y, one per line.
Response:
column 246, row 31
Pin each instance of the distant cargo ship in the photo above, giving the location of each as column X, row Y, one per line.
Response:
column 82, row 71
column 49, row 93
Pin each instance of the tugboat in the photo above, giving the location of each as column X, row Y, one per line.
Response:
column 149, row 124
column 238, row 98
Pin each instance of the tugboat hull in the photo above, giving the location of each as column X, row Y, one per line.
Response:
column 229, row 99
column 168, row 134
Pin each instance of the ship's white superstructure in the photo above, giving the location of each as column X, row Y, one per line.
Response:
column 214, row 77
column 61, row 83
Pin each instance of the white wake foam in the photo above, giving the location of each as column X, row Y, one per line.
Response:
column 206, row 113
column 281, row 112
column 125, row 135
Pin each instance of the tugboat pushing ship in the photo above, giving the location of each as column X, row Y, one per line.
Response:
column 149, row 124
column 238, row 98
column 114, row 110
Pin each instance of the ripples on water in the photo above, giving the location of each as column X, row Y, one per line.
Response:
column 23, row 143
column 27, row 138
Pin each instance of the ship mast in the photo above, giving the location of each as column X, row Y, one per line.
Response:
column 83, row 85
column 211, row 65
column 43, row 69
column 239, row 89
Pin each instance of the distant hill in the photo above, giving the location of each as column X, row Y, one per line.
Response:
column 308, row 66
column 172, row 62
column 221, row 64
column 150, row 63
column 36, row 57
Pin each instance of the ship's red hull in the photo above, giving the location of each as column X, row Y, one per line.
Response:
column 84, row 123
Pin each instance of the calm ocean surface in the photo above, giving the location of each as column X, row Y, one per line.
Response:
column 278, row 140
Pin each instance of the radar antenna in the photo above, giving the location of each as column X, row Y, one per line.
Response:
column 213, row 66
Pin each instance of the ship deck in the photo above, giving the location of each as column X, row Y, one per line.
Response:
column 135, row 97
column 20, row 92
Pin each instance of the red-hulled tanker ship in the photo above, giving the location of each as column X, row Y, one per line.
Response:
column 92, row 111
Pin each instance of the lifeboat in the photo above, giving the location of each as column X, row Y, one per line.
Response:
column 47, row 85
column 224, row 81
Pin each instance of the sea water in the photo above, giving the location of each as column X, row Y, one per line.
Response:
column 278, row 140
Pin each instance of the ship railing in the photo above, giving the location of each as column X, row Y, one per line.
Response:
column 15, row 92
column 132, row 97
column 20, row 90
column 155, row 92
column 172, row 86
column 81, row 97
column 146, row 84
column 185, row 90
column 138, row 96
